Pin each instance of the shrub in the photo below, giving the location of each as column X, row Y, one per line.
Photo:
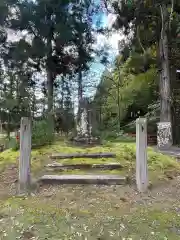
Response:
column 108, row 135
column 12, row 143
column 41, row 134
column 117, row 135
column 7, row 143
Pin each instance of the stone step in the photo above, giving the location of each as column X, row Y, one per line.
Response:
column 83, row 155
column 84, row 179
column 85, row 166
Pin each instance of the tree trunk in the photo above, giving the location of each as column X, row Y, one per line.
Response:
column 119, row 110
column 80, row 87
column 100, row 115
column 165, row 126
column 50, row 91
column 33, row 104
column 165, row 91
column 50, row 82
column 175, row 106
column 62, row 93
column 80, row 96
column 8, row 127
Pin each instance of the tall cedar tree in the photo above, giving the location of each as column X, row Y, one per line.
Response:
column 52, row 27
column 160, row 18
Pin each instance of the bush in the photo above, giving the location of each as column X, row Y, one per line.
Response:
column 12, row 143
column 118, row 136
column 108, row 135
column 7, row 143
column 41, row 134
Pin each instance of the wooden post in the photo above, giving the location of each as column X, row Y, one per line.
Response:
column 141, row 155
column 25, row 155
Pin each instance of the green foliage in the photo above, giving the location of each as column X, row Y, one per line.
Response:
column 61, row 44
column 126, row 92
column 40, row 137
column 116, row 136
column 12, row 143
column 9, row 143
column 40, row 134
column 147, row 20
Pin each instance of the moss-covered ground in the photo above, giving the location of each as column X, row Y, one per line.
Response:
column 91, row 212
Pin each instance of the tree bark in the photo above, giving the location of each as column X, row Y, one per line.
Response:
column 33, row 104
column 80, row 87
column 80, row 96
column 175, row 105
column 165, row 125
column 62, row 93
column 119, row 110
column 50, row 93
column 165, row 90
column 50, row 80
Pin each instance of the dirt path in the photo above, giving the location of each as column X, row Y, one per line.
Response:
column 94, row 212
column 169, row 190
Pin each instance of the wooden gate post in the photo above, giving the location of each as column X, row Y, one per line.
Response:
column 25, row 155
column 141, row 155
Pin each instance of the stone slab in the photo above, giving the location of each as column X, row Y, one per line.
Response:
column 84, row 179
column 108, row 166
column 83, row 155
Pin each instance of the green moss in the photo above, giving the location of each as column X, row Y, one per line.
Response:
column 153, row 223
column 84, row 172
column 158, row 160
column 46, row 218
column 160, row 166
column 87, row 160
column 88, row 213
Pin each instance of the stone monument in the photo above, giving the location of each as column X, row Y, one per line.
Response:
column 84, row 124
column 164, row 135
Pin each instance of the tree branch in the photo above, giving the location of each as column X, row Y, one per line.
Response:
column 139, row 40
column 162, row 20
column 170, row 17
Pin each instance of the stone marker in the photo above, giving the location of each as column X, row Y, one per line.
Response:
column 84, row 124
column 25, row 155
column 141, row 155
column 164, row 135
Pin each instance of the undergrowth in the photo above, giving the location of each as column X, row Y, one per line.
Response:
column 91, row 212
column 160, row 166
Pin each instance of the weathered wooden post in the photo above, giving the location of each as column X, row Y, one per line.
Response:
column 141, row 155
column 25, row 155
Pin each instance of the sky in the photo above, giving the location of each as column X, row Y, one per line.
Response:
column 101, row 19
column 104, row 20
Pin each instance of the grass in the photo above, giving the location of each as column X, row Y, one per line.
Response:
column 160, row 166
column 92, row 212
column 88, row 213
